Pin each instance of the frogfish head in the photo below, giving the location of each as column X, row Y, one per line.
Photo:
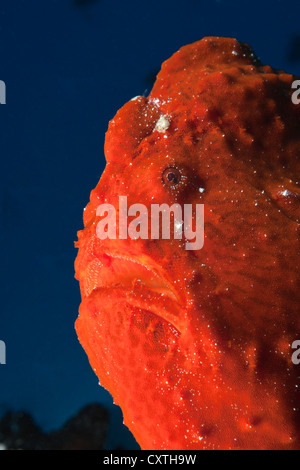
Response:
column 191, row 330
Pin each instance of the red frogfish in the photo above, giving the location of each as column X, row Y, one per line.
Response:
column 195, row 346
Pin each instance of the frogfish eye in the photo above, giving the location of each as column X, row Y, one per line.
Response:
column 171, row 176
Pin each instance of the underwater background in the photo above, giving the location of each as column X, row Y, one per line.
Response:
column 68, row 66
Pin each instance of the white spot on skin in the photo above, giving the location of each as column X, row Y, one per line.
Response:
column 156, row 102
column 135, row 98
column 162, row 124
column 286, row 193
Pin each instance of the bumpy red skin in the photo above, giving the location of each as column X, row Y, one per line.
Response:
column 213, row 370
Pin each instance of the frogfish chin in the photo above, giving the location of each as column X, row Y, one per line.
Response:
column 195, row 346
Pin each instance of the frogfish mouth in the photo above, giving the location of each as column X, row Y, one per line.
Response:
column 195, row 346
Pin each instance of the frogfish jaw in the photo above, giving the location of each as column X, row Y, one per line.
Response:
column 186, row 383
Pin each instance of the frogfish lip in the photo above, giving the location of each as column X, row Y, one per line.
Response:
column 145, row 284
